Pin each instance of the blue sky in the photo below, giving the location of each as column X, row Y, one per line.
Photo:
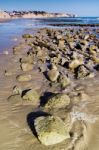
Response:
column 79, row 7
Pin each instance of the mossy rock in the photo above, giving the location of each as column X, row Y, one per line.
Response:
column 31, row 96
column 50, row 130
column 27, row 36
column 58, row 101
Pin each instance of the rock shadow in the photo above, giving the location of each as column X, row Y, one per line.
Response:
column 31, row 118
column 44, row 99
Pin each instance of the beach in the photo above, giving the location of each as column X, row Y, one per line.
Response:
column 49, row 88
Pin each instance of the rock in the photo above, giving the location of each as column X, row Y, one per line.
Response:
column 83, row 71
column 58, row 37
column 26, row 66
column 84, row 42
column 53, row 74
column 93, row 49
column 27, row 59
column 78, row 46
column 17, row 90
column 27, row 36
column 61, row 43
column 31, row 96
column 64, row 81
column 50, row 130
column 15, row 99
column 17, row 50
column 58, row 101
column 24, row 77
column 86, row 37
column 75, row 63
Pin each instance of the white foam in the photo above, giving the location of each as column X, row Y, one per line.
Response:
column 83, row 116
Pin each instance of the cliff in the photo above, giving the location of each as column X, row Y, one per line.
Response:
column 4, row 15
column 32, row 14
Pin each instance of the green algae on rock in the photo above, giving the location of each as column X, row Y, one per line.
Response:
column 50, row 130
column 58, row 101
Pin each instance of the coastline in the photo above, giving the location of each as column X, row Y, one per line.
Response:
column 41, row 52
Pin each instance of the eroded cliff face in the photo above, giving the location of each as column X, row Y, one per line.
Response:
column 4, row 15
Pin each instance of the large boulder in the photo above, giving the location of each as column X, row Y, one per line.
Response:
column 50, row 130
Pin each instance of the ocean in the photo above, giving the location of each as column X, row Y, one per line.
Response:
column 12, row 29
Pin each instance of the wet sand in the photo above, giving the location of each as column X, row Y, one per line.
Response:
column 16, row 118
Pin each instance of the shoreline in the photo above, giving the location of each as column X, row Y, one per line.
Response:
column 55, row 65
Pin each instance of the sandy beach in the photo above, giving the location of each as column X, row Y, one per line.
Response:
column 49, row 87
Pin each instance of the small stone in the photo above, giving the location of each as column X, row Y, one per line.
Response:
column 50, row 130
column 26, row 66
column 27, row 36
column 53, row 74
column 58, row 101
column 61, row 43
column 64, row 81
column 24, row 77
column 31, row 96
column 75, row 63
column 17, row 90
column 86, row 37
column 83, row 71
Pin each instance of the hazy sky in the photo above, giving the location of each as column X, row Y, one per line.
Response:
column 80, row 7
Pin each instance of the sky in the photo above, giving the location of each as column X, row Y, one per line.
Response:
column 79, row 7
